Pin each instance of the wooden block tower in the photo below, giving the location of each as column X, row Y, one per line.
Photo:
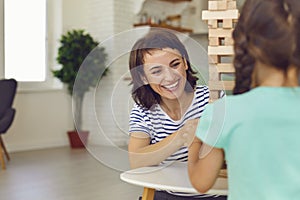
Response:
column 221, row 17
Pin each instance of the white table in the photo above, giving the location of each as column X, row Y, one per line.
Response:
column 173, row 177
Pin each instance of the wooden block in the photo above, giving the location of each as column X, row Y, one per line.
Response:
column 226, row 14
column 212, row 23
column 231, row 5
column 217, row 5
column 229, row 85
column 220, row 32
column 225, row 68
column 220, row 50
column 213, row 77
column 213, row 72
column 227, row 23
column 212, row 5
column 213, row 41
column 229, row 41
column 213, row 59
column 221, row 85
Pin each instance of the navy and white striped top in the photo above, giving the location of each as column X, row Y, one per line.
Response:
column 158, row 125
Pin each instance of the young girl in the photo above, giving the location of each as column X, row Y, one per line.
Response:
column 168, row 104
column 260, row 129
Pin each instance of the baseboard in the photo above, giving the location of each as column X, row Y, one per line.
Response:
column 26, row 147
column 16, row 147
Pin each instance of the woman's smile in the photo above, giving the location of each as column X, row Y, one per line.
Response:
column 172, row 87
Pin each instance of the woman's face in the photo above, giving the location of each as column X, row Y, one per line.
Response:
column 165, row 72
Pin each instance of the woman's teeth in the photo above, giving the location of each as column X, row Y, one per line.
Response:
column 171, row 86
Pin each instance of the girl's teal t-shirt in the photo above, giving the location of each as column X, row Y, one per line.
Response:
column 260, row 134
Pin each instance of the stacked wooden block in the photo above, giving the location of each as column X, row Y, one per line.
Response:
column 221, row 17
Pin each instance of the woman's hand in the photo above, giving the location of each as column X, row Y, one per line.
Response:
column 187, row 132
column 142, row 153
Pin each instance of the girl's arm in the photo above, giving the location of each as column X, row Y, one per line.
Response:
column 142, row 154
column 204, row 164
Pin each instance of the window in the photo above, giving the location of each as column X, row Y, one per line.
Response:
column 25, row 40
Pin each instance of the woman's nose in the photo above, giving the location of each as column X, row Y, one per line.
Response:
column 169, row 74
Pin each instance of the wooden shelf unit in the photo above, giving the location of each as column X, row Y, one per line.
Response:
column 175, row 1
column 179, row 29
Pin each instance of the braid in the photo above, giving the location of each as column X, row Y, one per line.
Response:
column 294, row 6
column 243, row 62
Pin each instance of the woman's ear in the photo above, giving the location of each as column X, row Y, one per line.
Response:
column 185, row 63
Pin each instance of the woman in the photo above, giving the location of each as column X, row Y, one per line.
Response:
column 167, row 106
column 260, row 129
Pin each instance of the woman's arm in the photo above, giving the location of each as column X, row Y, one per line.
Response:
column 142, row 154
column 204, row 164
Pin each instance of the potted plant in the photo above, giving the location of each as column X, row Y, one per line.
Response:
column 83, row 63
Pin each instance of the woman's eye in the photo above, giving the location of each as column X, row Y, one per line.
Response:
column 155, row 72
column 175, row 65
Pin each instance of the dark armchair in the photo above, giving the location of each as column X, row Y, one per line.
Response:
column 7, row 112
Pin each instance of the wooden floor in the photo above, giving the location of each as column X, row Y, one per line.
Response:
column 62, row 174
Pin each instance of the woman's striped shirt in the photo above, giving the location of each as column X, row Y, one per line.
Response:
column 158, row 125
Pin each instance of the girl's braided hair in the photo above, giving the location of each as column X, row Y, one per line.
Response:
column 267, row 31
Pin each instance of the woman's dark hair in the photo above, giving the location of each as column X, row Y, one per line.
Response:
column 143, row 94
column 268, row 31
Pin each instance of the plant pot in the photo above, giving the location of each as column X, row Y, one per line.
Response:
column 78, row 139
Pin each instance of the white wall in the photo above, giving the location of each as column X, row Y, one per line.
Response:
column 107, row 18
column 75, row 14
column 41, row 121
